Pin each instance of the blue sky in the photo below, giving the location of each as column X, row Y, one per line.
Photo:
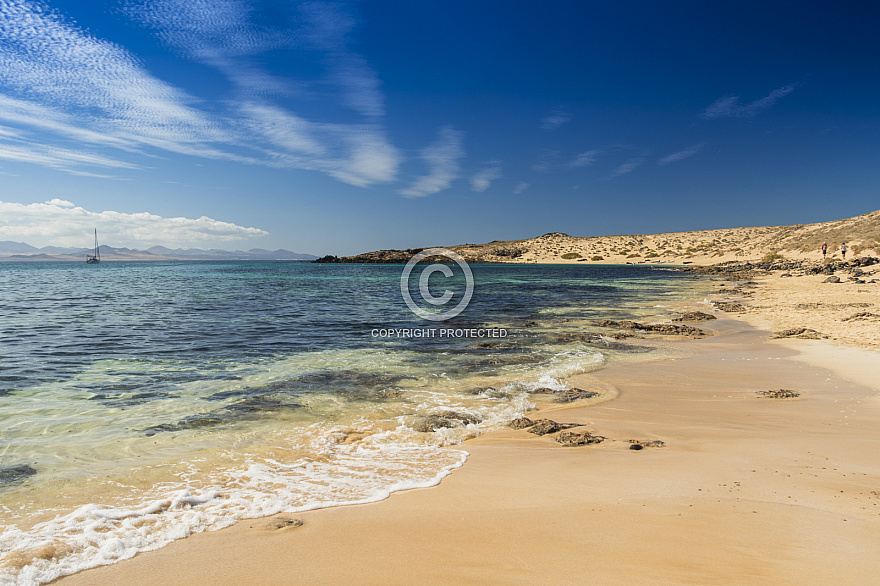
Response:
column 345, row 127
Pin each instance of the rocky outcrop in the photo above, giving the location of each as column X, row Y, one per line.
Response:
column 521, row 423
column 665, row 329
column 861, row 315
column 283, row 523
column 780, row 394
column 578, row 438
column 694, row 316
column 802, row 333
column 729, row 306
column 570, row 395
column 547, row 426
column 566, row 395
column 642, row 444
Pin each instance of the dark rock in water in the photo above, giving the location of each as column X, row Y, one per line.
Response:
column 780, row 394
column 832, row 279
column 246, row 409
column 545, row 426
column 729, row 306
column 578, row 438
column 590, row 338
column 565, row 395
column 492, row 345
column 447, row 419
column 489, row 392
column 574, row 394
column 802, row 333
column 129, row 400
column 521, row 423
column 15, row 474
column 694, row 316
column 640, row 444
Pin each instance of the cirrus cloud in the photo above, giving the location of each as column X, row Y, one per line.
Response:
column 442, row 158
column 729, row 106
column 484, row 177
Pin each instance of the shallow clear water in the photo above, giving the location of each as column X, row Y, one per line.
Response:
column 141, row 402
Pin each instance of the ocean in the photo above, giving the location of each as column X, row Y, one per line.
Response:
column 144, row 402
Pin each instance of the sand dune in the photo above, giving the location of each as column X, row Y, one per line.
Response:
column 861, row 234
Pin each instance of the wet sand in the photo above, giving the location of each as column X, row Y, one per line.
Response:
column 746, row 489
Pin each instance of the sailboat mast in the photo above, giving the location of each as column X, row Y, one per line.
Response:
column 97, row 252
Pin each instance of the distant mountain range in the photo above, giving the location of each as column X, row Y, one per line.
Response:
column 20, row 251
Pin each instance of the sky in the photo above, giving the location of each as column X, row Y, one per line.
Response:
column 344, row 127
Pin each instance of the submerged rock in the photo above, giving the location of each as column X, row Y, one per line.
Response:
column 445, row 420
column 15, row 474
column 250, row 408
column 578, row 438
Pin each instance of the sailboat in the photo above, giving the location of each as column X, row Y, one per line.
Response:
column 94, row 258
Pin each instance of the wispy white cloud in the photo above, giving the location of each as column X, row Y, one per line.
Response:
column 520, row 187
column 729, row 106
column 548, row 161
column 483, row 178
column 442, row 158
column 555, row 119
column 60, row 222
column 585, row 159
column 627, row 167
column 58, row 158
column 681, row 155
column 57, row 80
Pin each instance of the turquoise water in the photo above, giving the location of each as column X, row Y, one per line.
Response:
column 142, row 402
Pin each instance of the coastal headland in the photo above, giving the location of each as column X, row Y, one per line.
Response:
column 802, row 241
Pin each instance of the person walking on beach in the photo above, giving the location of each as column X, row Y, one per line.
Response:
column 843, row 250
column 824, row 249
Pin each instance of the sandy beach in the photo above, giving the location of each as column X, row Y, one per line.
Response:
column 744, row 489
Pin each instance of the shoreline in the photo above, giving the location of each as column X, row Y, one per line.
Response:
column 746, row 489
